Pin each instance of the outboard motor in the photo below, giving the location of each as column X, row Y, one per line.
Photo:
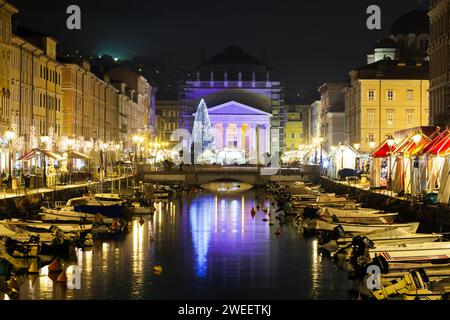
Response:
column 57, row 232
column 34, row 239
column 338, row 233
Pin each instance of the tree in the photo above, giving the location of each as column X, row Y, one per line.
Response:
column 202, row 139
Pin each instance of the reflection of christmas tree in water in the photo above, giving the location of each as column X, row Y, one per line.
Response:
column 203, row 140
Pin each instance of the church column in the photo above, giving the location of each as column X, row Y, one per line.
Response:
column 225, row 132
column 253, row 137
column 239, row 136
column 267, row 139
column 262, row 139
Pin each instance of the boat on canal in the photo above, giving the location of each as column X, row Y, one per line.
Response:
column 355, row 229
column 356, row 216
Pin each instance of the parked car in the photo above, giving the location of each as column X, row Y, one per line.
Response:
column 347, row 173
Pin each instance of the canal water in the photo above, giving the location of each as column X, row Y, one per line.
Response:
column 209, row 247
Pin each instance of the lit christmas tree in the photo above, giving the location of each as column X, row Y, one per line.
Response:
column 202, row 133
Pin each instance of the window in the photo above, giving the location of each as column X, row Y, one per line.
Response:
column 409, row 118
column 371, row 118
column 390, row 95
column 292, row 146
column 371, row 137
column 371, row 95
column 292, row 135
column 410, row 95
column 390, row 117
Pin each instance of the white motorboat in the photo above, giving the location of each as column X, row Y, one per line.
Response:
column 357, row 216
column 417, row 253
column 71, row 216
column 67, row 212
column 109, row 199
column 355, row 229
column 16, row 233
column 394, row 236
column 36, row 225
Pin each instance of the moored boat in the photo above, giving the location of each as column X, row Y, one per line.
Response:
column 354, row 229
column 358, row 216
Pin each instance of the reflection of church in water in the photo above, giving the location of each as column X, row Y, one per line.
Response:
column 245, row 106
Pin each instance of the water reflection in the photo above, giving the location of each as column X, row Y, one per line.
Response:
column 209, row 246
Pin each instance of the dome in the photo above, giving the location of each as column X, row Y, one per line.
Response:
column 415, row 22
column 386, row 43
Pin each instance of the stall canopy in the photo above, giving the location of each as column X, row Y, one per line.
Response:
column 441, row 148
column 383, row 150
column 435, row 141
column 415, row 147
column 35, row 152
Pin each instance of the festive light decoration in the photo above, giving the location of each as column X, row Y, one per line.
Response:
column 34, row 143
column 202, row 132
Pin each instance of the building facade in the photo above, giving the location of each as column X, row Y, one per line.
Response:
column 90, row 105
column 297, row 126
column 315, row 126
column 46, row 96
column 385, row 97
column 439, row 52
column 332, row 115
column 236, row 76
column 169, row 118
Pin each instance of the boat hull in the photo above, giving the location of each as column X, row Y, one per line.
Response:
column 321, row 225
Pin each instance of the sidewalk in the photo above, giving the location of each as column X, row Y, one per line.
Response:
column 366, row 187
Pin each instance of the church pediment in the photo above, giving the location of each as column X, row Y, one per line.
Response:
column 236, row 108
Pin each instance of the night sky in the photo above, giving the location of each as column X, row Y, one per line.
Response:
column 307, row 42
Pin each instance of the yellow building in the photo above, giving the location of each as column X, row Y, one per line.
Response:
column 90, row 104
column 6, row 11
column 296, row 130
column 385, row 97
column 35, row 85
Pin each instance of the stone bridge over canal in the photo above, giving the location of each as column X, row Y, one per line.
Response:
column 197, row 175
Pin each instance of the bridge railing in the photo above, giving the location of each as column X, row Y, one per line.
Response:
column 198, row 169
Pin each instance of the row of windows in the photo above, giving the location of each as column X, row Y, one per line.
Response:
column 50, row 75
column 45, row 100
column 171, row 114
column 170, row 126
column 390, row 118
column 293, row 136
column 390, row 95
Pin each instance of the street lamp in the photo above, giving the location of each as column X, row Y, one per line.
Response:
column 372, row 145
column 10, row 135
column 357, row 147
column 45, row 141
column 342, row 148
column 390, row 142
column 321, row 139
column 70, row 145
column 417, row 138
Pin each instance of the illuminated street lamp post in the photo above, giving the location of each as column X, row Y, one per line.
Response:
column 321, row 150
column 357, row 147
column 390, row 142
column 70, row 145
column 45, row 141
column 10, row 135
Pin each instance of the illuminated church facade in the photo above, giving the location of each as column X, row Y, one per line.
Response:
column 245, row 106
